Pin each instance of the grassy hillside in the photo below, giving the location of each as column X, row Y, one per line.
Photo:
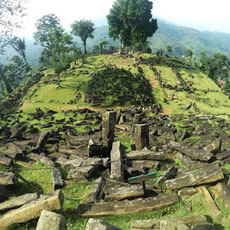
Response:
column 97, row 82
column 107, row 81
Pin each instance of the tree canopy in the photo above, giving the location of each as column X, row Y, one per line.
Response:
column 45, row 26
column 11, row 12
column 83, row 29
column 131, row 21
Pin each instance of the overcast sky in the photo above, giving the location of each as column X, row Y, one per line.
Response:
column 210, row 15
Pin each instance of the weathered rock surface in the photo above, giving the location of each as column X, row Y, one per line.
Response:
column 187, row 161
column 82, row 167
column 46, row 160
column 96, row 190
column 211, row 174
column 18, row 201
column 170, row 173
column 94, row 148
column 208, row 226
column 117, row 167
column 51, row 221
column 141, row 136
column 164, row 225
column 57, row 178
column 124, row 192
column 223, row 155
column 187, row 191
column 43, row 138
column 33, row 209
column 142, row 165
column 5, row 161
column 222, row 192
column 14, row 151
column 95, row 224
column 8, row 178
column 194, row 153
column 213, row 209
column 214, row 147
column 155, row 223
column 108, row 128
column 146, row 154
column 127, row 207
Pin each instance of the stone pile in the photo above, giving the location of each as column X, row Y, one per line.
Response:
column 156, row 143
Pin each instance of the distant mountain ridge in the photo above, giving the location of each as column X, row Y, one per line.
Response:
column 183, row 38
column 178, row 37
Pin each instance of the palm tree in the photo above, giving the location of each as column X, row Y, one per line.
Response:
column 19, row 46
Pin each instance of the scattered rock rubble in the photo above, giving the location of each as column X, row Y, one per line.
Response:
column 156, row 143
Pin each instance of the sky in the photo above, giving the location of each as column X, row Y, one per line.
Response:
column 209, row 15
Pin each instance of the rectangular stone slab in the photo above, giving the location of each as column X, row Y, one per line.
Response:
column 124, row 192
column 145, row 154
column 192, row 179
column 194, row 153
column 127, row 207
column 149, row 224
column 33, row 209
column 18, row 201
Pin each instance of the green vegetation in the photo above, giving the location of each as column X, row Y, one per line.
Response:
column 83, row 29
column 131, row 22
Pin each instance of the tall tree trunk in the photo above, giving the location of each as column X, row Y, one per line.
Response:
column 2, row 86
column 84, row 44
column 121, row 51
column 4, row 79
column 59, row 85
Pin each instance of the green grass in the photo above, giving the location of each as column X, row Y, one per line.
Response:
column 38, row 175
column 48, row 96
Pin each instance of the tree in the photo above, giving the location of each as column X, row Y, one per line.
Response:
column 61, row 57
column 14, row 71
column 169, row 49
column 45, row 26
column 83, row 29
column 51, row 36
column 131, row 21
column 102, row 44
column 11, row 12
column 19, row 46
column 188, row 53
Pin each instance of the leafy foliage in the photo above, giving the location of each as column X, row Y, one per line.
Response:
column 83, row 29
column 45, row 26
column 19, row 46
column 131, row 21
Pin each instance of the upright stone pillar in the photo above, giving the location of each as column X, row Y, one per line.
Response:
column 117, row 167
column 108, row 129
column 141, row 136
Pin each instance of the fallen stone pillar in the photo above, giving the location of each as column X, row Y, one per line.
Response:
column 127, row 207
column 33, row 209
